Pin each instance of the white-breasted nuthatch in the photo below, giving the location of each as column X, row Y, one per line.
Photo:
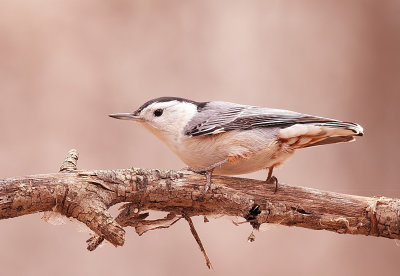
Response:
column 227, row 138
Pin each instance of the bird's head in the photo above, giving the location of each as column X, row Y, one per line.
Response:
column 165, row 117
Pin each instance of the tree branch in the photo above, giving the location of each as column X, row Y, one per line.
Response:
column 87, row 196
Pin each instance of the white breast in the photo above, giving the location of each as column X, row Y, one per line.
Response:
column 247, row 151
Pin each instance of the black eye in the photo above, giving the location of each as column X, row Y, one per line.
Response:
column 158, row 112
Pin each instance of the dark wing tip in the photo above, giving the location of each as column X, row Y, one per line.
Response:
column 358, row 129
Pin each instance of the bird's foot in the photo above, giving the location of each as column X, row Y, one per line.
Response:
column 190, row 169
column 273, row 180
column 207, row 171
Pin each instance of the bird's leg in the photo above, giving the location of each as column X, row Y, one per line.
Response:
column 272, row 179
column 208, row 178
column 207, row 171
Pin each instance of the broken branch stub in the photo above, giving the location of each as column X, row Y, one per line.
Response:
column 70, row 162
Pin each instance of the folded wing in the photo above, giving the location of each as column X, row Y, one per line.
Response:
column 219, row 117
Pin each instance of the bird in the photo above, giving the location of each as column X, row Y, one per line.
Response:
column 224, row 138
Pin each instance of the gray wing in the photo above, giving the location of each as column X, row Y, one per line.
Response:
column 218, row 117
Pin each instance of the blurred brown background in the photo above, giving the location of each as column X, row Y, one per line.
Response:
column 64, row 65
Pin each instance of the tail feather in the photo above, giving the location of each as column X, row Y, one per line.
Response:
column 320, row 133
column 332, row 140
column 355, row 128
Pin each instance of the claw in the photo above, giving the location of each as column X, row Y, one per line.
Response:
column 273, row 180
column 189, row 169
column 207, row 172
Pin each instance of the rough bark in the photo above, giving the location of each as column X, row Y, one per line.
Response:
column 87, row 196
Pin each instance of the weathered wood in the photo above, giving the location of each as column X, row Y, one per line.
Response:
column 87, row 195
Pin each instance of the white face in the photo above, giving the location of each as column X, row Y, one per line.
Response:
column 167, row 119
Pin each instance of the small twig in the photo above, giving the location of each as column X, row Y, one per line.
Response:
column 130, row 216
column 70, row 162
column 197, row 238
column 94, row 242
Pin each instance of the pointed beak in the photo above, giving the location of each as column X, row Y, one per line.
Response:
column 126, row 116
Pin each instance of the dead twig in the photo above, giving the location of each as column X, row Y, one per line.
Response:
column 197, row 238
